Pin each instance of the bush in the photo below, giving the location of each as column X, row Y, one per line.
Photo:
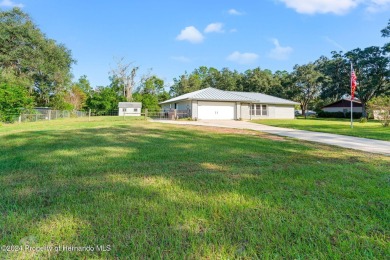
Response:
column 363, row 120
column 324, row 114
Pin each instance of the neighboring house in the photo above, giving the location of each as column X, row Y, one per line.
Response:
column 211, row 103
column 129, row 108
column 344, row 105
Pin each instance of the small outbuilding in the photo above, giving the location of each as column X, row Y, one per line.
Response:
column 129, row 108
column 211, row 103
column 344, row 105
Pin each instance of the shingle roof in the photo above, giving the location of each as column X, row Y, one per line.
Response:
column 130, row 105
column 211, row 94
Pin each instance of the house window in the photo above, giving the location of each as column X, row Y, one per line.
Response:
column 135, row 109
column 124, row 109
column 258, row 110
column 264, row 110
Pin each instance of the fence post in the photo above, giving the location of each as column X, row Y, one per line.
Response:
column 146, row 113
column 89, row 115
column 175, row 114
column 20, row 118
column 49, row 117
column 36, row 117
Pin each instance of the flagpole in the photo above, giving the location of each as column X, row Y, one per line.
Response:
column 351, row 98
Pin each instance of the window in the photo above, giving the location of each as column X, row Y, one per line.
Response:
column 264, row 110
column 124, row 109
column 258, row 110
column 135, row 109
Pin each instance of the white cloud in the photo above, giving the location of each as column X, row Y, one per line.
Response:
column 214, row 27
column 335, row 6
column 10, row 3
column 243, row 58
column 190, row 34
column 182, row 59
column 234, row 30
column 235, row 12
column 321, row 6
column 280, row 52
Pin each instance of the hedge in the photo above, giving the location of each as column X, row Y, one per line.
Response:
column 324, row 114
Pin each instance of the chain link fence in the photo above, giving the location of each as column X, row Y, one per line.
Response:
column 43, row 114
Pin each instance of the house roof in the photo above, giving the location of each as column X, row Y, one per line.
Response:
column 344, row 102
column 213, row 94
column 130, row 105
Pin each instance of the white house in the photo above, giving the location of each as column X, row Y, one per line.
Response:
column 129, row 108
column 211, row 103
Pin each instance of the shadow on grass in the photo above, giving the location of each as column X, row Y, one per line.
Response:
column 149, row 192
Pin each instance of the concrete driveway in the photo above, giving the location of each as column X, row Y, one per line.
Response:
column 357, row 143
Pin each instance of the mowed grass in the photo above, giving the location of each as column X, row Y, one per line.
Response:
column 149, row 190
column 372, row 129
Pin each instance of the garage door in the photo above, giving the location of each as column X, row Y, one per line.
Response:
column 216, row 110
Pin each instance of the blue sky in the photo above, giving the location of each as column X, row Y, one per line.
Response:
column 171, row 37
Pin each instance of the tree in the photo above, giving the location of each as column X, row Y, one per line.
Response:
column 381, row 107
column 12, row 100
column 125, row 73
column 386, row 31
column 151, row 92
column 337, row 71
column 372, row 71
column 258, row 80
column 307, row 84
column 104, row 99
column 28, row 54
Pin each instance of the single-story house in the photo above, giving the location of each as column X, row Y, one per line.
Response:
column 344, row 105
column 129, row 108
column 211, row 103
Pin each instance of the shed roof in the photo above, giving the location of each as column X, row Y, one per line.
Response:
column 213, row 94
column 130, row 105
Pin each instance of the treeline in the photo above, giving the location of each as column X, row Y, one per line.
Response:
column 312, row 85
column 35, row 71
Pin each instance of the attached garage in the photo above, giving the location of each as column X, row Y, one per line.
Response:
column 216, row 104
column 216, row 110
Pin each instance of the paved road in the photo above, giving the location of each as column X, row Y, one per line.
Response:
column 357, row 143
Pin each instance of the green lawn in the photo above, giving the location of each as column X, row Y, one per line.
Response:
column 149, row 190
column 371, row 129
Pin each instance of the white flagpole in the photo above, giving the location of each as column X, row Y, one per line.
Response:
column 351, row 97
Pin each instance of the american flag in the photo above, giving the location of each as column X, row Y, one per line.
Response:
column 353, row 84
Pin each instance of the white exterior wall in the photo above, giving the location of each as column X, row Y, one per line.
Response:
column 245, row 111
column 274, row 112
column 341, row 109
column 194, row 110
column 129, row 111
column 238, row 111
column 283, row 112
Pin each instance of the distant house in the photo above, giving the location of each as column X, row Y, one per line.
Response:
column 344, row 105
column 129, row 108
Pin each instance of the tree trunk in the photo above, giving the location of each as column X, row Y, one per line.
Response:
column 364, row 110
column 303, row 108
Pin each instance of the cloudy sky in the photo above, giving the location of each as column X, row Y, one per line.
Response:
column 171, row 37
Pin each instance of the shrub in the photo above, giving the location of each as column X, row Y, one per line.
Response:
column 324, row 114
column 363, row 120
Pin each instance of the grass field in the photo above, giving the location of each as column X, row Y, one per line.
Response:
column 371, row 129
column 147, row 190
